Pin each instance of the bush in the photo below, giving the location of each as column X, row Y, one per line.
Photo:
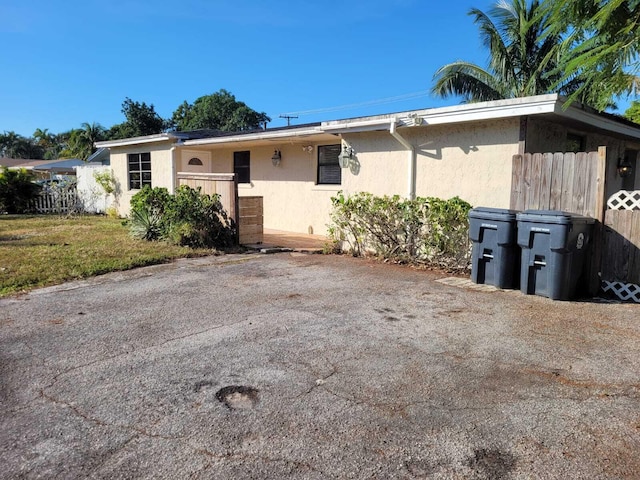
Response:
column 425, row 230
column 187, row 218
column 17, row 190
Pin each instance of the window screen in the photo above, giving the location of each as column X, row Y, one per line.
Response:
column 329, row 171
column 242, row 166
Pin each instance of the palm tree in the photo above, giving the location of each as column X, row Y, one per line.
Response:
column 81, row 141
column 605, row 40
column 14, row 145
column 523, row 56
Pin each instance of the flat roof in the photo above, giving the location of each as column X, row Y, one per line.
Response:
column 551, row 104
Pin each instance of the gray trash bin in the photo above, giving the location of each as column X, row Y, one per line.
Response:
column 555, row 247
column 496, row 255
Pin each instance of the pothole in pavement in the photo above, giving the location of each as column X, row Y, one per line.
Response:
column 238, row 397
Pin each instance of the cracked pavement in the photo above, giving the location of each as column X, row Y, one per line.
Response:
column 334, row 367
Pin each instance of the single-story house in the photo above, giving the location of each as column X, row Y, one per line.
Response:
column 99, row 157
column 464, row 150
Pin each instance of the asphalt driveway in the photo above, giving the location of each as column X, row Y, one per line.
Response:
column 310, row 366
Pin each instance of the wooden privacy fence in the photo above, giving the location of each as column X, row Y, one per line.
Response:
column 571, row 182
column 246, row 212
column 621, row 250
column 223, row 184
column 58, row 201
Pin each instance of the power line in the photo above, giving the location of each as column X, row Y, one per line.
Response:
column 398, row 98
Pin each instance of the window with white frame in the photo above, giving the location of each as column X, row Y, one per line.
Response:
column 139, row 167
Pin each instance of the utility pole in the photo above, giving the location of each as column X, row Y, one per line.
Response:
column 288, row 117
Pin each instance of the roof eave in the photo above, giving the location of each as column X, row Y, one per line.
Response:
column 577, row 112
column 266, row 135
column 159, row 137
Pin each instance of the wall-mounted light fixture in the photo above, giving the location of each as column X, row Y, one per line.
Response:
column 624, row 167
column 307, row 148
column 276, row 158
column 344, row 159
column 416, row 119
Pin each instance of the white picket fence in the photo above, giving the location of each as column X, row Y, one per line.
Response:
column 58, row 201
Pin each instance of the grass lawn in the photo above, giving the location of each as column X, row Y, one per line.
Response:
column 45, row 250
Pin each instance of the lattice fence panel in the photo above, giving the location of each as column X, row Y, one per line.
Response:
column 624, row 200
column 624, row 291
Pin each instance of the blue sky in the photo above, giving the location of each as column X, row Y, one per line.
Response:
column 64, row 63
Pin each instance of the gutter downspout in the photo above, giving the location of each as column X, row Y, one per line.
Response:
column 173, row 170
column 411, row 184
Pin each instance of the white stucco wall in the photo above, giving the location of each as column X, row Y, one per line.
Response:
column 93, row 197
column 162, row 171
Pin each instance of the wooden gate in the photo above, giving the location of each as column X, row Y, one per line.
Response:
column 621, row 250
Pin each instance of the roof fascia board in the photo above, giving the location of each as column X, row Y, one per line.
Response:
column 266, row 135
column 577, row 112
column 476, row 112
column 378, row 124
column 161, row 137
column 455, row 114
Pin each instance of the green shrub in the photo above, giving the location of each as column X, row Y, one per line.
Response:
column 425, row 230
column 146, row 224
column 17, row 190
column 155, row 198
column 187, row 218
column 106, row 180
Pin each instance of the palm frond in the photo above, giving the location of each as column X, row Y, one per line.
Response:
column 467, row 80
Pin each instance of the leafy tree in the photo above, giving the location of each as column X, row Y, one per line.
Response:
column 523, row 56
column 13, row 145
column 633, row 112
column 218, row 111
column 604, row 36
column 141, row 119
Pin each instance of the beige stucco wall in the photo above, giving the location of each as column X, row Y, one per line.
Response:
column 161, row 171
column 291, row 199
column 545, row 136
column 472, row 161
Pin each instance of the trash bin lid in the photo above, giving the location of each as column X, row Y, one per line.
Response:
column 553, row 216
column 498, row 214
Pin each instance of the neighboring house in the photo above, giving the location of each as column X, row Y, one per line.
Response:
column 464, row 151
column 43, row 168
column 99, row 157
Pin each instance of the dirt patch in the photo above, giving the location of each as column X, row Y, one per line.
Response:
column 491, row 464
